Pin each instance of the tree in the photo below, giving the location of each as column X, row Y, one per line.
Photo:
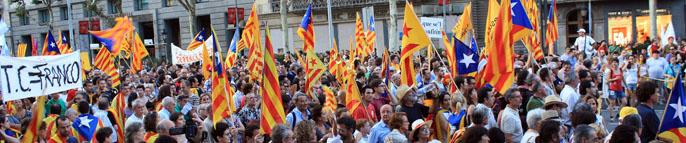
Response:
column 189, row 5
column 108, row 20
column 22, row 13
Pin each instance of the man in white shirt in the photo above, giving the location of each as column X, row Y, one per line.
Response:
column 569, row 95
column 656, row 67
column 167, row 107
column 138, row 112
column 583, row 43
column 510, row 123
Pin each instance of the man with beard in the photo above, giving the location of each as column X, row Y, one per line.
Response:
column 346, row 128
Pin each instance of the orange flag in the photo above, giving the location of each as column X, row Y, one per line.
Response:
column 315, row 70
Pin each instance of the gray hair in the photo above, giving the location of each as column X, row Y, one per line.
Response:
column 581, row 107
column 161, row 127
column 633, row 120
column 131, row 131
column 570, row 76
column 510, row 92
column 533, row 117
column 480, row 115
column 167, row 100
column 137, row 102
column 582, row 131
column 298, row 94
column 70, row 112
column 280, row 132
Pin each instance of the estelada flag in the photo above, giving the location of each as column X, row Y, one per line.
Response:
column 673, row 124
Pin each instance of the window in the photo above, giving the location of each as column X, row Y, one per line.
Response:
column 44, row 16
column 111, row 8
column 24, row 20
column 64, row 13
column 167, row 3
column 141, row 4
column 87, row 12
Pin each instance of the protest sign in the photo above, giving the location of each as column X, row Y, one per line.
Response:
column 27, row 77
column 432, row 26
column 180, row 56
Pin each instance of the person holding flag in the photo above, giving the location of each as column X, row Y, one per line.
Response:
column 63, row 131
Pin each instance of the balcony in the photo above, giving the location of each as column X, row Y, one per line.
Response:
column 301, row 5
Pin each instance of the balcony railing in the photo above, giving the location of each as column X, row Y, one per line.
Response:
column 301, row 5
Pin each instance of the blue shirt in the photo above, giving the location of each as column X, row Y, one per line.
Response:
column 378, row 132
column 650, row 122
column 298, row 117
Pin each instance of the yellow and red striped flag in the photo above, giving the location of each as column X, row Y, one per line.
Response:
column 137, row 54
column 330, row 104
column 50, row 46
column 117, row 110
column 385, row 64
column 251, row 31
column 34, row 47
column 450, row 53
column 491, row 18
column 51, row 126
column 272, row 107
column 197, row 41
column 306, row 30
column 32, row 132
column 532, row 42
column 333, row 59
column 360, row 38
column 251, row 37
column 499, row 69
column 105, row 62
column 222, row 105
column 62, row 43
column 551, row 31
column 414, row 39
column 21, row 50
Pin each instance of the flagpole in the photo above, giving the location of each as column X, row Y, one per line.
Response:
column 330, row 22
column 668, row 99
column 452, row 77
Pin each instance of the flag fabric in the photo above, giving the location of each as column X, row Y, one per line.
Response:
column 251, row 31
column 521, row 25
column 385, row 72
column 551, row 31
column 34, row 46
column 222, row 105
column 3, row 29
column 491, row 19
column 21, row 50
column 105, row 62
column 137, row 54
column 86, row 125
column 50, row 46
column 533, row 42
column 62, row 43
column 333, row 59
column 251, row 37
column 117, row 110
column 466, row 58
column 206, row 62
column 500, row 75
column 231, row 54
column 11, row 109
column 414, row 38
column 352, row 98
column 673, row 125
column 197, row 41
column 315, row 70
column 272, row 107
column 330, row 104
column 114, row 37
column 465, row 23
column 150, row 137
column 31, row 133
column 360, row 38
column 475, row 49
column 306, row 30
column 450, row 53
column 371, row 35
column 439, row 132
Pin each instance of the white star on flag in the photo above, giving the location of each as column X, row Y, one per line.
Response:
column 52, row 44
column 679, row 110
column 85, row 121
column 512, row 5
column 467, row 60
column 200, row 37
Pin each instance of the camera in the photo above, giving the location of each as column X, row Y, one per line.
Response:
column 190, row 129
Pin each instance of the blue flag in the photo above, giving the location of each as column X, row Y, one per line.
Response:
column 86, row 125
column 466, row 58
column 521, row 25
column 674, row 117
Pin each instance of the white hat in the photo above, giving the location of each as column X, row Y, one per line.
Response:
column 417, row 123
column 581, row 30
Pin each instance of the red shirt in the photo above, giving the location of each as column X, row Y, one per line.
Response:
column 617, row 84
column 360, row 113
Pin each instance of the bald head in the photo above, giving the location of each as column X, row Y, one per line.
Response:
column 386, row 112
column 164, row 126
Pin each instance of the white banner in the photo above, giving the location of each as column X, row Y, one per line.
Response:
column 180, row 56
column 27, row 77
column 432, row 26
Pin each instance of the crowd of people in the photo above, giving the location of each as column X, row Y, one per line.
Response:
column 557, row 99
